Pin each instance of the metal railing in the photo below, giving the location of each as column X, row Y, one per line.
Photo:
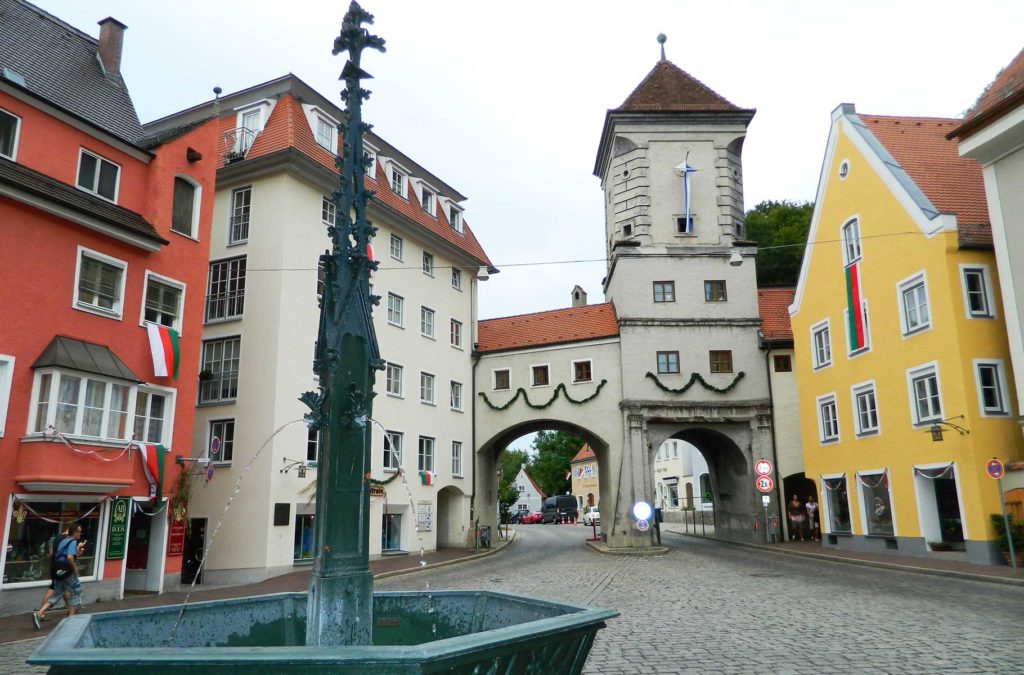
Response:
column 236, row 143
column 700, row 520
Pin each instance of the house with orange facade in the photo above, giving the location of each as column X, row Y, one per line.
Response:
column 104, row 238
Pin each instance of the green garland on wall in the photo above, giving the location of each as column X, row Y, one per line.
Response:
column 560, row 388
column 381, row 483
column 696, row 378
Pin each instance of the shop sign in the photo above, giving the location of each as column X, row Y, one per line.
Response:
column 176, row 540
column 117, row 533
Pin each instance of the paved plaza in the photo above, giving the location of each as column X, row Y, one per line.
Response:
column 714, row 608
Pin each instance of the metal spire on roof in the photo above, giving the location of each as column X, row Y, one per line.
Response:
column 661, row 41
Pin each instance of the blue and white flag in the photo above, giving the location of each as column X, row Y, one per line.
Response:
column 685, row 170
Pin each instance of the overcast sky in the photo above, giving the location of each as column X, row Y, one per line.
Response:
column 505, row 100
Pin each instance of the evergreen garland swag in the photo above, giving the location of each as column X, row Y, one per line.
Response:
column 696, row 378
column 540, row 406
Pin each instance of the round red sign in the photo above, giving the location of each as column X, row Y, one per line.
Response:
column 764, row 483
column 763, row 467
column 994, row 468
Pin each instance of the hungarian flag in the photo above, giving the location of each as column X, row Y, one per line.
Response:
column 152, row 455
column 163, row 344
column 427, row 477
column 855, row 313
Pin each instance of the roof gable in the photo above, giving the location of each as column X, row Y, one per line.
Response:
column 60, row 64
column 585, row 453
column 573, row 324
column 773, row 306
column 669, row 88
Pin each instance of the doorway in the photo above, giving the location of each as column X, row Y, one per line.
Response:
column 938, row 508
column 144, row 559
column 192, row 555
column 391, row 533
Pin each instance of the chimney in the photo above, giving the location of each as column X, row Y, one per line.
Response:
column 579, row 297
column 111, row 41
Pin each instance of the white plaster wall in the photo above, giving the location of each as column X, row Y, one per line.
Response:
column 786, row 418
column 1009, row 240
column 528, row 496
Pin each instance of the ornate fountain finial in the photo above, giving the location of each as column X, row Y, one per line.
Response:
column 661, row 41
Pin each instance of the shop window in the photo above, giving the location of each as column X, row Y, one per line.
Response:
column 303, row 538
column 876, row 503
column 391, row 532
column 32, row 529
column 838, row 500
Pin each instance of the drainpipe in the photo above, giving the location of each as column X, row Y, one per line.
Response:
column 475, row 356
column 783, row 525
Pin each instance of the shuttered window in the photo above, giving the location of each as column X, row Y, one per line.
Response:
column 183, row 210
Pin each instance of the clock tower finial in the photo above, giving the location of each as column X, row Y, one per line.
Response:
column 661, row 41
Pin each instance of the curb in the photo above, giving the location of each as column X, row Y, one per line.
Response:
column 604, row 549
column 445, row 563
column 931, row 571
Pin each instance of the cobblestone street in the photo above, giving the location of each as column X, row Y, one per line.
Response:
column 713, row 608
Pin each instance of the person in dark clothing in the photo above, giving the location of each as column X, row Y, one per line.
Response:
column 797, row 517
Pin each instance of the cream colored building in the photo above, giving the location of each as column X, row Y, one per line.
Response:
column 584, row 477
column 272, row 210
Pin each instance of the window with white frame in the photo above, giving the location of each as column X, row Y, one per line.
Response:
column 393, row 441
column 396, row 309
column 426, row 454
column 991, row 387
column 225, row 292
column 312, row 445
column 977, row 292
column 427, row 322
column 457, row 459
column 241, row 206
column 328, row 212
column 540, row 376
column 218, row 376
column 185, row 207
column 224, row 430
column 81, row 405
column 33, row 525
column 913, row 295
column 925, row 399
column 457, row 278
column 396, row 247
column 163, row 302
column 250, row 122
column 426, row 388
column 154, row 417
column 6, row 378
column 428, row 201
column 455, row 219
column 821, row 345
column 370, row 161
column 9, row 127
column 327, row 134
column 398, row 182
column 100, row 283
column 582, row 371
column 394, row 379
column 456, row 333
column 502, row 378
column 865, row 409
column 428, row 263
column 455, row 399
column 851, row 242
column 98, row 176
column 828, row 420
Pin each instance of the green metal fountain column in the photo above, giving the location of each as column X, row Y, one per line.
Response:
column 339, row 611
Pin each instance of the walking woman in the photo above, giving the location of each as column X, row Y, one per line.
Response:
column 797, row 516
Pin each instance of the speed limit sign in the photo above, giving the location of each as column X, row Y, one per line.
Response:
column 764, row 483
column 763, row 467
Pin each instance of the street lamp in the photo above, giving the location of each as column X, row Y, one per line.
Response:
column 937, row 431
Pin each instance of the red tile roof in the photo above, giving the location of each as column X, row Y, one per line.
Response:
column 952, row 183
column 585, row 453
column 773, row 306
column 1002, row 95
column 558, row 326
column 288, row 127
column 669, row 88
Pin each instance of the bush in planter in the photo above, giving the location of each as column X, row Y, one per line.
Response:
column 1016, row 527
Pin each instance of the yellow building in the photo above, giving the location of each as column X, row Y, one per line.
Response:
column 897, row 332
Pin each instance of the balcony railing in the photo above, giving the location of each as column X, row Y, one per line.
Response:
column 235, row 144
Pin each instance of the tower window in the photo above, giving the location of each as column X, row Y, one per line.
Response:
column 684, row 225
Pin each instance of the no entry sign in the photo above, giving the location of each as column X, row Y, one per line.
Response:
column 764, row 483
column 763, row 467
column 994, row 468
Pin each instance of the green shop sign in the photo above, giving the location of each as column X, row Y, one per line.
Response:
column 117, row 536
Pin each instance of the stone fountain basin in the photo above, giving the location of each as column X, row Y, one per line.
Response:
column 477, row 632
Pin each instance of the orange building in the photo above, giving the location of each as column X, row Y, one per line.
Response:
column 103, row 232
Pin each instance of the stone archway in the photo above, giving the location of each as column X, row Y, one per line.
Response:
column 731, row 487
column 452, row 518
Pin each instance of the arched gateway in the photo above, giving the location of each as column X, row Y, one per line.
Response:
column 674, row 353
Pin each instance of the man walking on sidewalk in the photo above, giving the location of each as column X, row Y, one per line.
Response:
column 64, row 575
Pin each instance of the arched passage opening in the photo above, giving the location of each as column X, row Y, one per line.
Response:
column 802, row 487
column 452, row 527
column 485, row 505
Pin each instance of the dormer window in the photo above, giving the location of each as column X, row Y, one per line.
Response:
column 98, row 176
column 428, row 201
column 249, row 124
column 398, row 182
column 455, row 219
column 370, row 159
column 327, row 133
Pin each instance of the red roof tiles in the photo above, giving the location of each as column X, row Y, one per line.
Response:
column 558, row 326
column 585, row 453
column 952, row 183
column 999, row 97
column 288, row 127
column 669, row 88
column 773, row 306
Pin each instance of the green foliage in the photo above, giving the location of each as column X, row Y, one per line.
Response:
column 553, row 450
column 510, row 461
column 784, row 223
column 1016, row 527
column 507, row 496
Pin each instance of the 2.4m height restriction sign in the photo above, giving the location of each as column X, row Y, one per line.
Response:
column 764, row 483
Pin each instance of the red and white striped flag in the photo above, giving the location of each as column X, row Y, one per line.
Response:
column 163, row 345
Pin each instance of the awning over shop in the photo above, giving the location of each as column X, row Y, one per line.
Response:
column 86, row 357
column 71, row 484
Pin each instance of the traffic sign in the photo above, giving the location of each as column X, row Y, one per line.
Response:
column 764, row 483
column 643, row 525
column 994, row 468
column 763, row 467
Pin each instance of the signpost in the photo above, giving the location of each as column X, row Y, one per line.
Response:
column 763, row 467
column 117, row 533
column 995, row 470
column 764, row 484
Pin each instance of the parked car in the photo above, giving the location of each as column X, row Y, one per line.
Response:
column 559, row 509
column 591, row 516
column 531, row 518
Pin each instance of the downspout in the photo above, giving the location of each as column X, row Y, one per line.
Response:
column 475, row 356
column 783, row 527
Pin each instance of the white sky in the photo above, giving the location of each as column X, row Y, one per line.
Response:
column 505, row 101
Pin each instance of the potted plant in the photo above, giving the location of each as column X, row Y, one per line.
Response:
column 1017, row 529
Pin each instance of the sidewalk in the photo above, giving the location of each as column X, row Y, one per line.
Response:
column 1000, row 574
column 19, row 626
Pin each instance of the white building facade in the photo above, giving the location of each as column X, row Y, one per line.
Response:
column 531, row 497
column 271, row 213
